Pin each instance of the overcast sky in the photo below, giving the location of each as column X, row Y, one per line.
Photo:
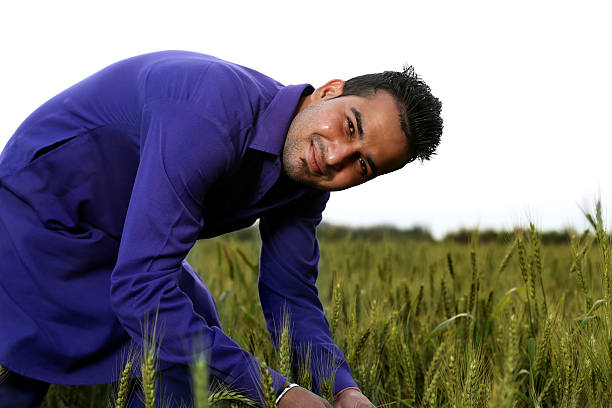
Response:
column 526, row 88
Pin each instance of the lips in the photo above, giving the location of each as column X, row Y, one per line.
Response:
column 313, row 161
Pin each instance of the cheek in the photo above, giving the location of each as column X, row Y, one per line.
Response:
column 346, row 178
column 325, row 123
column 321, row 120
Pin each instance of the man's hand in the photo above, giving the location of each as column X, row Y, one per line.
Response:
column 299, row 397
column 352, row 399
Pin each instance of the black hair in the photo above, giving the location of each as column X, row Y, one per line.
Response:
column 419, row 110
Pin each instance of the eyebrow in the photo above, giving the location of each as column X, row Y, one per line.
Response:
column 358, row 119
column 361, row 136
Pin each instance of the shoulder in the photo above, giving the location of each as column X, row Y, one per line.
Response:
column 207, row 82
column 228, row 97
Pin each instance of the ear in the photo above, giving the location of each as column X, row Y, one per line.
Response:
column 330, row 90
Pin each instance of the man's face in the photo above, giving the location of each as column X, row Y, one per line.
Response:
column 337, row 143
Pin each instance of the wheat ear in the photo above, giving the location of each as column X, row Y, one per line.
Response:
column 148, row 377
column 228, row 396
column 284, row 347
column 124, row 385
column 266, row 383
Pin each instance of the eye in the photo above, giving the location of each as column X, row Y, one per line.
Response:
column 364, row 167
column 351, row 127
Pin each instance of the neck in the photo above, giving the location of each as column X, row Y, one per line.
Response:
column 302, row 104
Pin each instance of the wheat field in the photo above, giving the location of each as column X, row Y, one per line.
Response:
column 515, row 321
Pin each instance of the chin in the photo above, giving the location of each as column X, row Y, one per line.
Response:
column 301, row 177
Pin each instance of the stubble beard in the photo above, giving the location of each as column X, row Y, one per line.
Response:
column 293, row 163
column 296, row 147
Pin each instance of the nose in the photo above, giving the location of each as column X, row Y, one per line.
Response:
column 339, row 153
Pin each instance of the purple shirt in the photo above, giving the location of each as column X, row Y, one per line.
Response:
column 107, row 186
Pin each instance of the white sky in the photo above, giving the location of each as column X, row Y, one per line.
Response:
column 526, row 87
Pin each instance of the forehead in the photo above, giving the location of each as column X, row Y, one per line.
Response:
column 381, row 108
column 382, row 129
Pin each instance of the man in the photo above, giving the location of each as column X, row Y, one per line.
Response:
column 106, row 187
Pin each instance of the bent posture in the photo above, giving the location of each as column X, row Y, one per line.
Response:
column 106, row 187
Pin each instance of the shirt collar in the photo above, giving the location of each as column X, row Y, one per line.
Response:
column 271, row 130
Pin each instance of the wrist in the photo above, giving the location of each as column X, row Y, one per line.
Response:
column 285, row 388
column 343, row 390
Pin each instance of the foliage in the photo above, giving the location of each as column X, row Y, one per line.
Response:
column 457, row 323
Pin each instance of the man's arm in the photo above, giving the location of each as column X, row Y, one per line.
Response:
column 288, row 272
column 182, row 153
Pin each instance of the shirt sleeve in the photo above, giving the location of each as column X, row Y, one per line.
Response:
column 182, row 154
column 288, row 273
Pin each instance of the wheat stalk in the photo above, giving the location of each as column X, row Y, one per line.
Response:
column 543, row 347
column 199, row 375
column 445, row 299
column 304, row 372
column 148, row 377
column 227, row 395
column 124, row 385
column 3, row 373
column 266, row 384
column 449, row 263
column 284, row 348
column 432, row 376
column 578, row 254
column 451, row 382
column 338, row 301
column 522, row 256
column 474, row 283
column 536, row 244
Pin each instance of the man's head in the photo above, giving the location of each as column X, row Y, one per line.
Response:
column 346, row 133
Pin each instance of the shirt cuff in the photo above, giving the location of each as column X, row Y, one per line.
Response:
column 277, row 381
column 255, row 390
column 343, row 379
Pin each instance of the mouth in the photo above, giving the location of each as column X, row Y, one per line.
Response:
column 314, row 160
